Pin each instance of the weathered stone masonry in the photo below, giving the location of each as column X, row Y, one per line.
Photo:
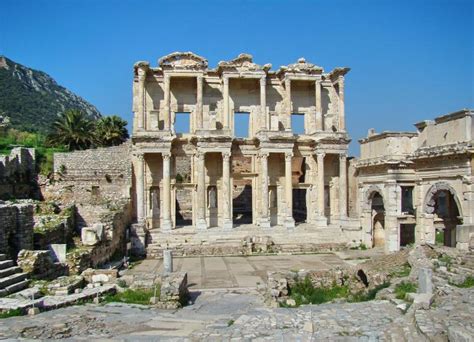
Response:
column 286, row 176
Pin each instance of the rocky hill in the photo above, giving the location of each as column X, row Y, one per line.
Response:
column 33, row 100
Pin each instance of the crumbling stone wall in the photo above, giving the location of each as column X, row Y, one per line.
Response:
column 18, row 174
column 16, row 227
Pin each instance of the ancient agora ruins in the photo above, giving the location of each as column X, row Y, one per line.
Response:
column 241, row 160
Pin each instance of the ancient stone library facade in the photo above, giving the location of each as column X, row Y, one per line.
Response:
column 245, row 151
column 216, row 173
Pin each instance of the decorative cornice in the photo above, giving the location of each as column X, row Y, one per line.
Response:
column 183, row 61
column 242, row 63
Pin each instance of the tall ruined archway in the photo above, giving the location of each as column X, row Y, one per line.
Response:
column 441, row 201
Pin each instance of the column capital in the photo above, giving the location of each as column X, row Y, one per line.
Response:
column 139, row 155
column 320, row 154
column 287, row 82
column 288, row 156
column 200, row 77
column 225, row 80
column 200, row 155
column 226, row 156
column 166, row 155
column 166, row 77
column 343, row 155
column 263, row 155
column 263, row 81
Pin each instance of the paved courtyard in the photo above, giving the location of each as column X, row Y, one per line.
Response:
column 246, row 272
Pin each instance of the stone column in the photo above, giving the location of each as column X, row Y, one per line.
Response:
column 288, row 104
column 263, row 103
column 226, row 190
column 140, row 184
column 199, row 112
column 226, row 116
column 166, row 224
column 265, row 213
column 289, row 222
column 141, row 98
column 343, row 186
column 167, row 98
column 322, row 220
column 319, row 111
column 342, row 119
column 201, row 192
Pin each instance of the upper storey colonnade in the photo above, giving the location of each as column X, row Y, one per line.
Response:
column 183, row 83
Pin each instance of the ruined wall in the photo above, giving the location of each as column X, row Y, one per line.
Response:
column 16, row 227
column 18, row 174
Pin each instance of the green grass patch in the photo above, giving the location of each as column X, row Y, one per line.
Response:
column 366, row 296
column 446, row 259
column 400, row 272
column 129, row 296
column 11, row 313
column 303, row 292
column 468, row 282
column 403, row 288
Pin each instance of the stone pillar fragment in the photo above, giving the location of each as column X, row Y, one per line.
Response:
column 265, row 213
column 166, row 224
column 167, row 261
column 289, row 221
column 263, row 103
column 141, row 98
column 199, row 112
column 201, row 192
column 321, row 219
column 226, row 189
column 319, row 112
column 343, row 186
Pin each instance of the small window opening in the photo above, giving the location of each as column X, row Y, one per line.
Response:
column 182, row 123
column 297, row 123
column 407, row 200
column 241, row 124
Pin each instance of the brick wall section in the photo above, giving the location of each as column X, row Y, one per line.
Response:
column 16, row 227
column 18, row 174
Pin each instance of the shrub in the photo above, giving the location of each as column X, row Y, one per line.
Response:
column 468, row 282
column 11, row 313
column 403, row 288
column 303, row 292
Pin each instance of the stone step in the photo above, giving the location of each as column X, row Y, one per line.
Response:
column 12, row 279
column 14, row 288
column 3, row 257
column 9, row 271
column 6, row 264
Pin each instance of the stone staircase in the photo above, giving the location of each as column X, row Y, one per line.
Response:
column 12, row 278
column 216, row 241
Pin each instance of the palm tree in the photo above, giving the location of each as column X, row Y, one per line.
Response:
column 111, row 130
column 74, row 130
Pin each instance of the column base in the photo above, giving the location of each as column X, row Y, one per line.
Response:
column 264, row 223
column 290, row 223
column 201, row 224
column 166, row 226
column 343, row 221
column 321, row 221
column 228, row 224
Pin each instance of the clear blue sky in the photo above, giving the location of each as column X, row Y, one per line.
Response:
column 410, row 60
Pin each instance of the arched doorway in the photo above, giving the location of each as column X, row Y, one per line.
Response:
column 378, row 219
column 441, row 201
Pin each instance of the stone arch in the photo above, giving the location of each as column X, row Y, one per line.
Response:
column 369, row 195
column 430, row 197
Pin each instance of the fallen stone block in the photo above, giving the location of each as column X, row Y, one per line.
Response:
column 420, row 300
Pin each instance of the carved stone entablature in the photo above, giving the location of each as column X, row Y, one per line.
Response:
column 392, row 162
column 183, row 61
column 300, row 68
column 243, row 63
column 141, row 67
column 443, row 150
column 337, row 72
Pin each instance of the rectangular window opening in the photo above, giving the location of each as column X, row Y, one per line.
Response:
column 182, row 123
column 241, row 124
column 297, row 123
column 407, row 200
